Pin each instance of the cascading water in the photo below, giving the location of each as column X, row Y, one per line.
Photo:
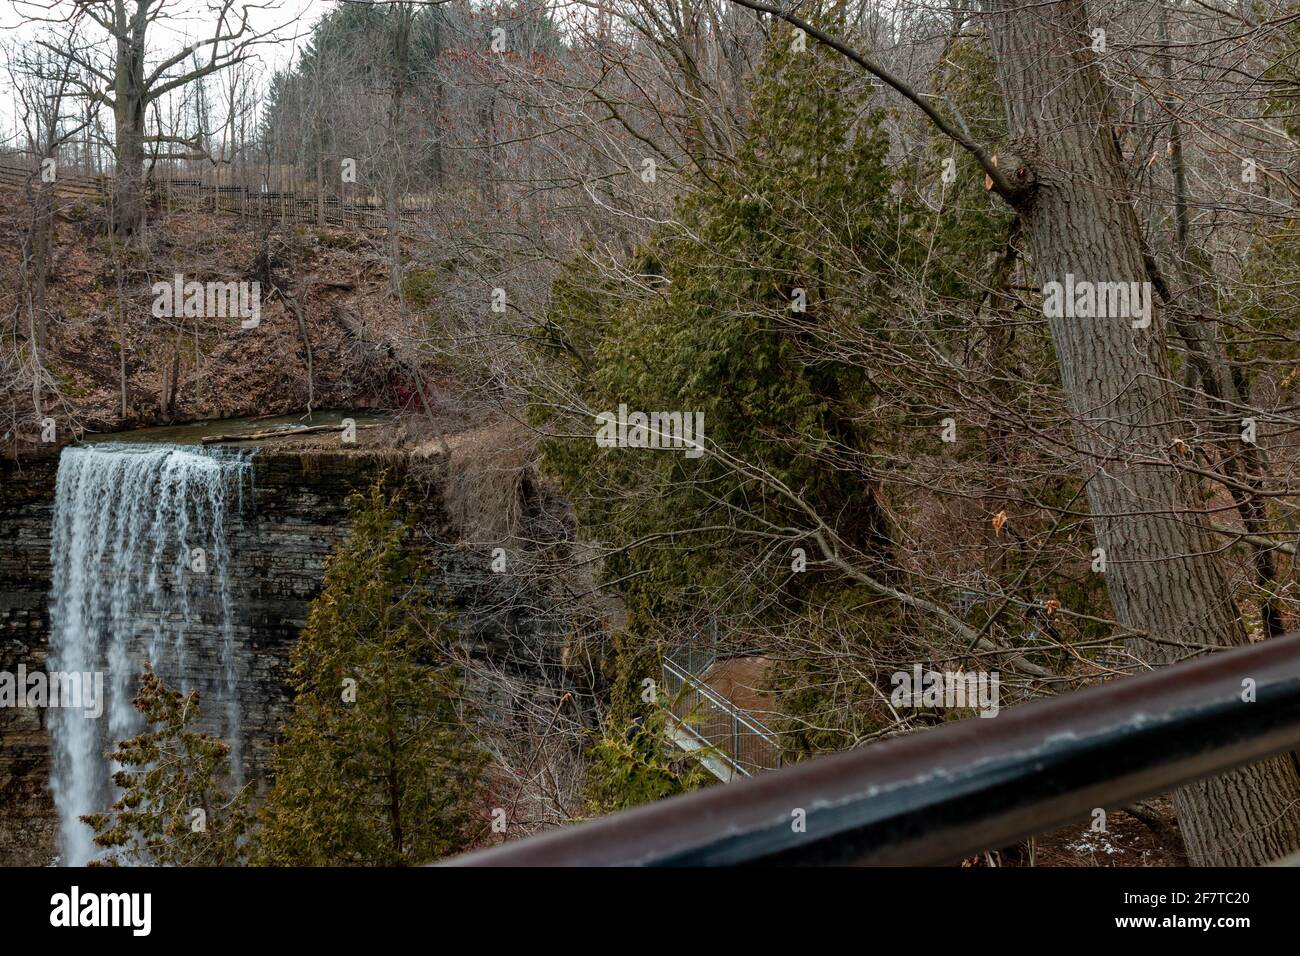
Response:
column 141, row 571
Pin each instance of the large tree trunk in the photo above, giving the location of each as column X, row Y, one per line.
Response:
column 1162, row 573
column 129, row 121
column 1245, row 463
column 129, row 196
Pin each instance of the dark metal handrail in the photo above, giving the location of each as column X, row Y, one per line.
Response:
column 937, row 796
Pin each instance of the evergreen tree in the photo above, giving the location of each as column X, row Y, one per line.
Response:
column 377, row 765
column 789, row 271
column 632, row 763
column 773, row 254
column 174, row 809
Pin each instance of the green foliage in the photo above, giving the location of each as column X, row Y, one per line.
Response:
column 1284, row 77
column 1265, row 298
column 630, row 760
column 632, row 763
column 813, row 720
column 1265, row 294
column 892, row 266
column 174, row 809
column 577, row 318
column 970, row 225
column 377, row 766
column 805, row 206
column 421, row 288
column 633, row 661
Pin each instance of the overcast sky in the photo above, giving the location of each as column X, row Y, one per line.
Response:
column 188, row 20
column 186, row 16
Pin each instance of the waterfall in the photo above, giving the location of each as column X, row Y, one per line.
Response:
column 141, row 558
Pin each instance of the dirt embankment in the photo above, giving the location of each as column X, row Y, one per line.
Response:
column 329, row 333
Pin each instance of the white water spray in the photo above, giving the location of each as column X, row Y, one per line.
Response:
column 129, row 521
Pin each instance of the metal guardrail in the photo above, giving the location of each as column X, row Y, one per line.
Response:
column 941, row 795
column 721, row 729
column 695, row 657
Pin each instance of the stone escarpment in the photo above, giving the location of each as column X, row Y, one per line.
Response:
column 278, row 546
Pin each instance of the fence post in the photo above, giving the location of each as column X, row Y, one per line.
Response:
column 735, row 737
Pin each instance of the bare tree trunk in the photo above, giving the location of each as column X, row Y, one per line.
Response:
column 487, row 120
column 439, row 99
column 295, row 302
column 41, row 241
column 1162, row 573
column 1244, row 462
column 129, row 118
column 38, row 370
column 403, row 15
column 320, row 188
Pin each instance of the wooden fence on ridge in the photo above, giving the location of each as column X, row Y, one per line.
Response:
column 174, row 192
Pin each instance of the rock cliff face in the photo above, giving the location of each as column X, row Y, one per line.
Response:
column 278, row 552
column 26, row 512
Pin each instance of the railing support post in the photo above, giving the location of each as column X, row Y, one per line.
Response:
column 735, row 738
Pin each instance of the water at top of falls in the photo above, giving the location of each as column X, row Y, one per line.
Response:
column 141, row 570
